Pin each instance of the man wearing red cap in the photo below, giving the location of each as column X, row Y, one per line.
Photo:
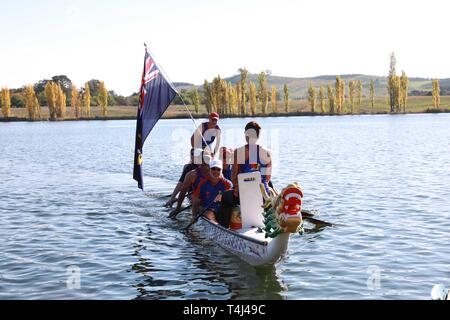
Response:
column 207, row 133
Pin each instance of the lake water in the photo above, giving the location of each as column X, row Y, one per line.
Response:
column 74, row 225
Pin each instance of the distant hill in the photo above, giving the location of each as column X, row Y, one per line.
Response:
column 298, row 87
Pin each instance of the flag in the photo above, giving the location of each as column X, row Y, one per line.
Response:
column 156, row 94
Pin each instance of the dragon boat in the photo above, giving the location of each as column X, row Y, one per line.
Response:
column 266, row 222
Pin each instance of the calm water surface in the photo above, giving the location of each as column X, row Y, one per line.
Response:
column 68, row 203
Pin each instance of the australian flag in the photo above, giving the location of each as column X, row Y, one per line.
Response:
column 156, row 94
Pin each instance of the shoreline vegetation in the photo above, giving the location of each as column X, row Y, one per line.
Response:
column 417, row 105
column 243, row 95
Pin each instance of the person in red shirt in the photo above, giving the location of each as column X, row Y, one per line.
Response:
column 193, row 178
column 207, row 196
column 210, row 132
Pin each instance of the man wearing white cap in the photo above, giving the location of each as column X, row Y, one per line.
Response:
column 208, row 193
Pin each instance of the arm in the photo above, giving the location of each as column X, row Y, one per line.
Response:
column 218, row 138
column 190, row 178
column 234, row 173
column 174, row 194
column 196, row 137
column 195, row 206
column 266, row 158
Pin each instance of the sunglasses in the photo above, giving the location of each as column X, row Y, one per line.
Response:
column 216, row 169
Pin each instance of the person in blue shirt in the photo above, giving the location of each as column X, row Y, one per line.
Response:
column 193, row 178
column 248, row 158
column 208, row 133
column 208, row 194
column 227, row 159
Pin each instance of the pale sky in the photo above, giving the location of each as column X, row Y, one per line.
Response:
column 198, row 39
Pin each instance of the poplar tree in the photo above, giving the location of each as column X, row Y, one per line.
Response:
column 233, row 99
column 244, row 74
column 392, row 86
column 436, row 93
column 216, row 94
column 6, row 102
column 103, row 97
column 87, row 100
column 312, row 96
column 252, row 97
column 359, row 93
column 372, row 94
column 273, row 99
column 31, row 103
column 60, row 102
column 351, row 94
column 208, row 99
column 195, row 99
column 239, row 95
column 322, row 98
column 404, row 91
column 338, row 94
column 51, row 99
column 286, row 98
column 342, row 97
column 396, row 92
column 224, row 96
column 262, row 91
column 331, row 97
column 75, row 102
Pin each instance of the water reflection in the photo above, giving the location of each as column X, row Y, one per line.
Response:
column 202, row 270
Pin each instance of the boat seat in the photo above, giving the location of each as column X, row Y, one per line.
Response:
column 251, row 199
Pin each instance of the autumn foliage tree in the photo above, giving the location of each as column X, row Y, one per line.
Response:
column 331, row 98
column 87, row 99
column 392, row 83
column 195, row 99
column 5, row 102
column 404, row 82
column 32, row 104
column 252, row 97
column 208, row 97
column 436, row 93
column 75, row 102
column 103, row 98
column 50, row 93
column 273, row 99
column 262, row 91
column 322, row 98
column 60, row 102
column 359, row 93
column 286, row 98
column 312, row 97
column 351, row 94
column 244, row 74
column 233, row 99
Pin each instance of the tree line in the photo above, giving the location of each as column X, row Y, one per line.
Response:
column 241, row 98
column 56, row 94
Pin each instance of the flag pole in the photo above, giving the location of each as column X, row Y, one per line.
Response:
column 185, row 106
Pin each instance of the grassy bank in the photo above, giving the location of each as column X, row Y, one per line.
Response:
column 297, row 108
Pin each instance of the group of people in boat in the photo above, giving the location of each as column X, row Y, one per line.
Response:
column 211, row 177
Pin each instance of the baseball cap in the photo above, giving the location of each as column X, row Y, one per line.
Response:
column 216, row 163
column 214, row 115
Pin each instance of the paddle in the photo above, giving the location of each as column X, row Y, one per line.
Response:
column 308, row 216
column 173, row 216
column 196, row 219
column 202, row 213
